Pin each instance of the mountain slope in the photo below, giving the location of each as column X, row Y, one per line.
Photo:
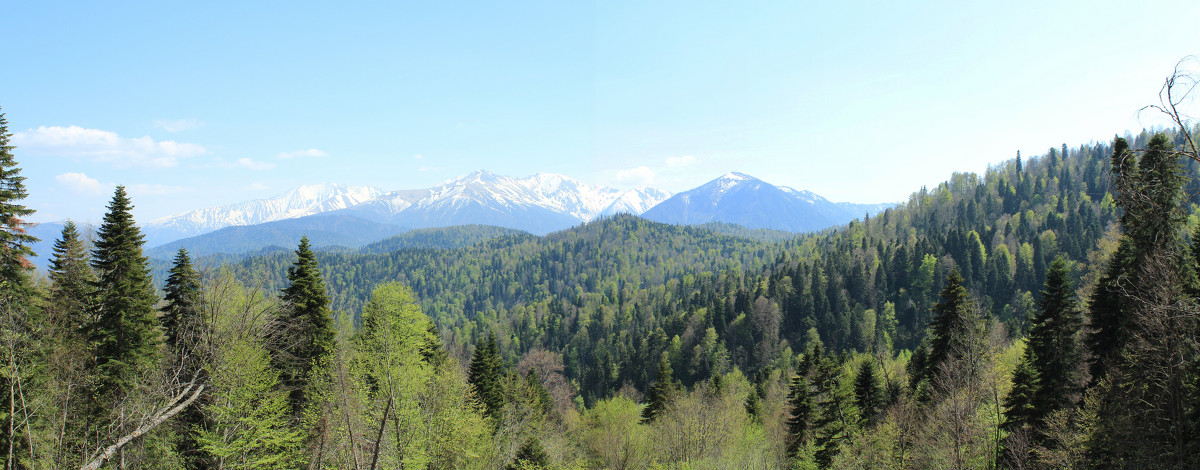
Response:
column 744, row 200
column 323, row 230
column 299, row 202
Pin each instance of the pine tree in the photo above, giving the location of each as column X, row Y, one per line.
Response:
column 868, row 395
column 485, row 374
column 801, row 407
column 542, row 399
column 832, row 424
column 126, row 334
column 663, row 392
column 310, row 331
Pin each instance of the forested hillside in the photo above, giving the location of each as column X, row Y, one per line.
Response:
column 1040, row 315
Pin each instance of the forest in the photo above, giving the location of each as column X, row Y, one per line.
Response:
column 1041, row 315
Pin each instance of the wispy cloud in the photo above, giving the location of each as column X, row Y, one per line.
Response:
column 82, row 183
column 102, row 146
column 253, row 165
column 418, row 156
column 640, row 175
column 310, row 153
column 686, row 160
column 155, row 189
column 178, row 125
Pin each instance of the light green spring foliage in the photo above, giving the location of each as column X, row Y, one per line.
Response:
column 248, row 413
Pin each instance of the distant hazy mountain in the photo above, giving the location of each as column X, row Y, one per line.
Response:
column 322, row 230
column 744, row 200
column 299, row 202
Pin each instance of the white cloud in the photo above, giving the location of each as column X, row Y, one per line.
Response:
column 155, row 189
column 253, row 165
column 303, row 153
column 178, row 125
column 418, row 156
column 82, row 183
column 105, row 146
column 686, row 160
column 641, row 175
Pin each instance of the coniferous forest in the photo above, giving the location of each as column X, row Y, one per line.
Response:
column 1041, row 315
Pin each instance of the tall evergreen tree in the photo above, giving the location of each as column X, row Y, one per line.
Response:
column 663, row 392
column 15, row 241
column 868, row 395
column 72, row 295
column 1053, row 347
column 308, row 339
column 485, row 373
column 181, row 316
column 954, row 326
column 126, row 333
column 801, row 408
column 17, row 314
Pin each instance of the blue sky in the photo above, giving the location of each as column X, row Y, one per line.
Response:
column 205, row 103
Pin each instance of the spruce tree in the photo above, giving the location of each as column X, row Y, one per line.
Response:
column 485, row 375
column 72, row 281
column 663, row 392
column 181, row 316
column 801, row 408
column 530, row 456
column 19, row 320
column 15, row 241
column 309, row 336
column 1053, row 347
column 954, row 325
column 126, row 333
column 868, row 395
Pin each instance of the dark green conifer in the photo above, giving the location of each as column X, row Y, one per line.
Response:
column 181, row 316
column 485, row 375
column 801, row 408
column 15, row 241
column 541, row 397
column 954, row 326
column 309, row 323
column 126, row 333
column 72, row 281
column 530, row 456
column 663, row 392
column 1053, row 347
column 868, row 395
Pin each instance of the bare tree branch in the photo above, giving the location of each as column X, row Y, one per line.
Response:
column 177, row 405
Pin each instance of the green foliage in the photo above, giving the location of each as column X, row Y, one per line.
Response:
column 530, row 456
column 868, row 394
column 800, row 408
column 486, row 370
column 181, row 316
column 72, row 296
column 15, row 241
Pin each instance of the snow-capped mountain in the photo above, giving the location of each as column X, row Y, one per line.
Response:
column 299, row 202
column 539, row 204
column 742, row 199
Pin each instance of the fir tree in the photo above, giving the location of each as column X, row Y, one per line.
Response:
column 72, row 295
column 181, row 316
column 309, row 338
column 954, row 326
column 868, row 395
column 18, row 319
column 1053, row 347
column 485, row 375
column 530, row 456
column 801, row 407
column 14, row 240
column 542, row 399
column 126, row 334
column 663, row 392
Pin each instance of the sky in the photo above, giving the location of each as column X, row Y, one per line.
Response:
column 198, row 104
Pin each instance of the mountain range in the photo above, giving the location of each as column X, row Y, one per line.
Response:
column 353, row 216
